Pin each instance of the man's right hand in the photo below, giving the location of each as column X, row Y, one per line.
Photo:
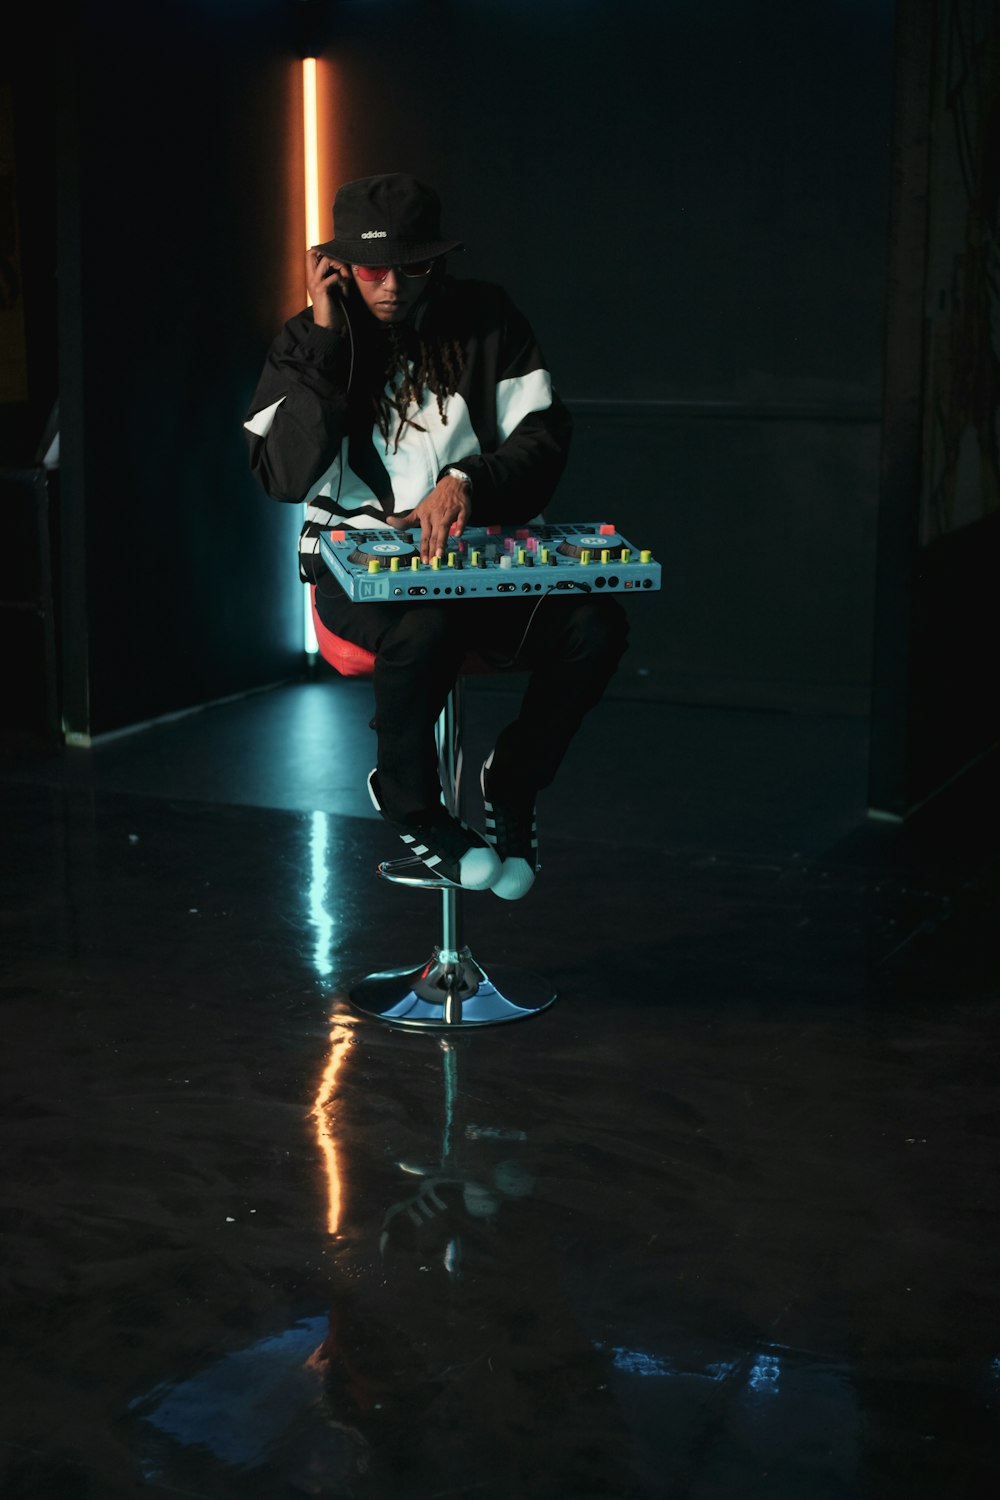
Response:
column 327, row 281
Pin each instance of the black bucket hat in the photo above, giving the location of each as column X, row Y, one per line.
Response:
column 387, row 220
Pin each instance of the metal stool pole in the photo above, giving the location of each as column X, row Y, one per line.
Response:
column 450, row 989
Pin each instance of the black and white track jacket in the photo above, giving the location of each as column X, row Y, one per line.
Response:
column 505, row 427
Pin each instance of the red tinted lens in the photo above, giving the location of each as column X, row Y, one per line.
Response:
column 379, row 273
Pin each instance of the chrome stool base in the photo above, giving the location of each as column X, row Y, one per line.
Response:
column 451, row 990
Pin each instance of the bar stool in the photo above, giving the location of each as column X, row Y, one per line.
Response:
column 450, row 989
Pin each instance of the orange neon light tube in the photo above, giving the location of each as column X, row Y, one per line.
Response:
column 310, row 138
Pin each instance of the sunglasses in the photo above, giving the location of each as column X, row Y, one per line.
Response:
column 379, row 273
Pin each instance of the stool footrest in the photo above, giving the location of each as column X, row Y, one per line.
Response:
column 412, row 871
column 451, row 990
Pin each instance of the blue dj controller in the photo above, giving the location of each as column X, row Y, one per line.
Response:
column 488, row 562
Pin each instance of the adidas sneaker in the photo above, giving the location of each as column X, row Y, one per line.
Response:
column 512, row 828
column 447, row 846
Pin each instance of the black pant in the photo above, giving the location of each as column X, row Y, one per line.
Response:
column 571, row 644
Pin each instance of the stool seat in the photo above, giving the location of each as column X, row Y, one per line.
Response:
column 450, row 989
column 343, row 655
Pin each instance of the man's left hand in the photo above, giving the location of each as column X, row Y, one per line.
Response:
column 448, row 505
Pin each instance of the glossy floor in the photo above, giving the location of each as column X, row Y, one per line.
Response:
column 720, row 1223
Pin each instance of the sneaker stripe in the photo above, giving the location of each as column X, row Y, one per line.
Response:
column 442, row 846
column 512, row 832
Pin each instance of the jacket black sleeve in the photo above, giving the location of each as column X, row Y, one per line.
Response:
column 298, row 415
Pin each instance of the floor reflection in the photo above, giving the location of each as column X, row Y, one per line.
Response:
column 444, row 1320
column 717, row 1226
column 324, row 1119
column 457, row 1356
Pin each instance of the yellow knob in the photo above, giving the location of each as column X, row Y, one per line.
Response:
column 605, row 556
column 521, row 554
column 645, row 556
column 584, row 557
column 435, row 563
column 475, row 557
column 394, row 565
column 374, row 566
column 626, row 555
column 414, row 564
column 544, row 554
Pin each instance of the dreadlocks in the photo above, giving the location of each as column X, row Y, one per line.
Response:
column 413, row 362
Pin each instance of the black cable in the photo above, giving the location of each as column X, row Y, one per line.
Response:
column 346, row 442
column 555, row 588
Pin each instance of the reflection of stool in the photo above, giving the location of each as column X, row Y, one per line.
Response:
column 450, row 989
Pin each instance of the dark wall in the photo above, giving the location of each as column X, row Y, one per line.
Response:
column 28, row 389
column 687, row 200
column 690, row 197
column 28, row 282
column 935, row 710
column 178, row 580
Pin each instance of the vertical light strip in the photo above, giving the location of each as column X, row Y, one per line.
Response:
column 310, row 137
column 310, row 140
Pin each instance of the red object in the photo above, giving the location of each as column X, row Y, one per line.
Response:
column 338, row 536
column 379, row 273
column 607, row 530
column 346, row 658
column 354, row 661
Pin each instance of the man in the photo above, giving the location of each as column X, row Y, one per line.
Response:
column 405, row 397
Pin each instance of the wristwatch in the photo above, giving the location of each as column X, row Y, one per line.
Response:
column 460, row 474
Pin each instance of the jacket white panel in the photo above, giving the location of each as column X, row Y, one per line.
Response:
column 519, row 396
